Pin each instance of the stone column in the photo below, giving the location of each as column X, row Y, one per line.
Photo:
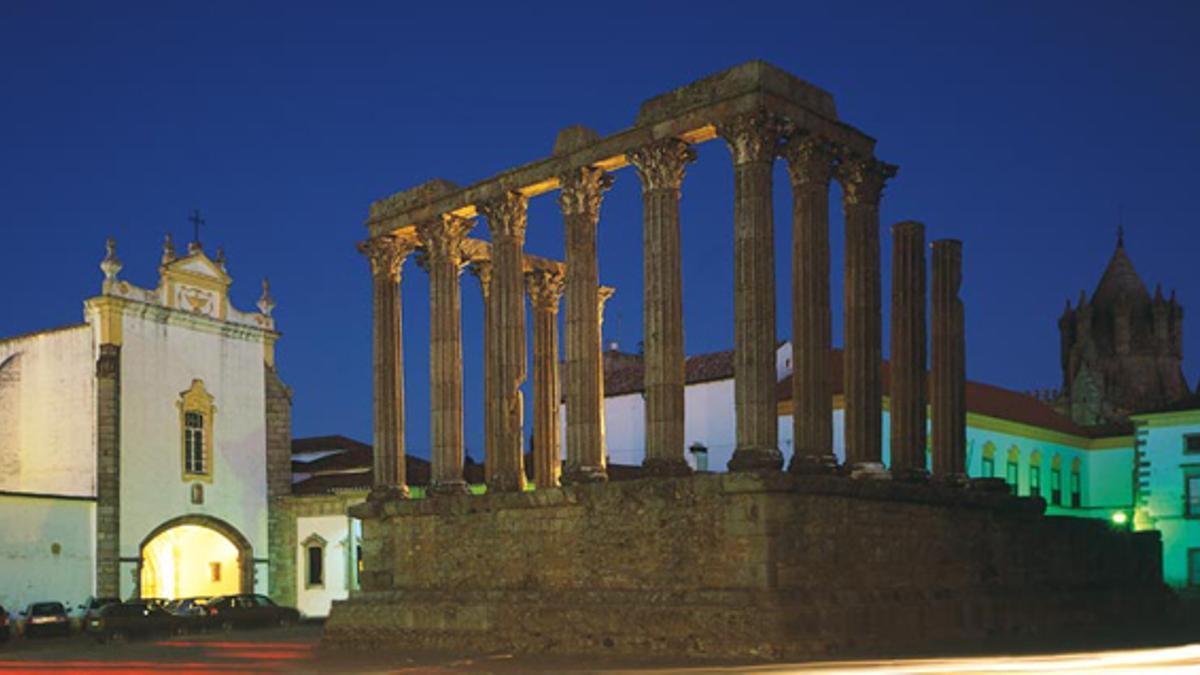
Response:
column 108, row 471
column 579, row 199
column 661, row 167
column 483, row 271
column 545, row 290
column 908, row 352
column 606, row 293
column 862, row 186
column 752, row 140
column 810, row 167
column 441, row 238
column 948, row 374
column 506, row 217
column 387, row 255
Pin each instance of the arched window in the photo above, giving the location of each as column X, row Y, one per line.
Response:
column 1035, row 474
column 987, row 467
column 314, row 561
column 1056, row 480
column 1076, row 484
column 1012, row 469
column 196, row 411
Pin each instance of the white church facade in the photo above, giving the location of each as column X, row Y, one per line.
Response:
column 139, row 449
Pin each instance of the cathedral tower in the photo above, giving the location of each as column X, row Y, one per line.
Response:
column 1122, row 350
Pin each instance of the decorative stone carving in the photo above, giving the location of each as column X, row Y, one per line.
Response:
column 862, row 179
column 386, row 254
column 752, row 137
column 266, row 304
column 661, row 165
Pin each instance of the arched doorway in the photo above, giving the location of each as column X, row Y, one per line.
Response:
column 195, row 556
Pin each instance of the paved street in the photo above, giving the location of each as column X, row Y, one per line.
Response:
column 293, row 650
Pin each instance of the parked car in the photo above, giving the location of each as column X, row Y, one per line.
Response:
column 134, row 619
column 41, row 618
column 196, row 606
column 248, row 609
column 5, row 628
column 91, row 609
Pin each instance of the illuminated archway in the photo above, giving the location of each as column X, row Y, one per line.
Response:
column 195, row 556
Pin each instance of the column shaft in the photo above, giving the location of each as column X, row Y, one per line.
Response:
column 387, row 255
column 907, row 413
column 506, row 217
column 661, row 168
column 862, row 184
column 949, row 364
column 752, row 141
column 483, row 271
column 579, row 200
column 441, row 238
column 810, row 166
column 545, row 289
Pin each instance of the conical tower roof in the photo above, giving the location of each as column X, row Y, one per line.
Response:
column 1120, row 279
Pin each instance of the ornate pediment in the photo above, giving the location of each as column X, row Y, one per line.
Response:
column 195, row 283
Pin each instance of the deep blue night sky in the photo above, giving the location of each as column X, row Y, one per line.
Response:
column 1020, row 129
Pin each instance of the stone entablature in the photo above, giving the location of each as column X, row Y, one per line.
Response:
column 689, row 114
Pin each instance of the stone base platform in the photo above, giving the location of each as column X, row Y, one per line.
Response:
column 738, row 566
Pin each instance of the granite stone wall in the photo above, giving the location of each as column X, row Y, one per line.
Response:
column 736, row 566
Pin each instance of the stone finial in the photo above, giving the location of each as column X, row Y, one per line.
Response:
column 265, row 302
column 220, row 260
column 111, row 265
column 573, row 138
column 168, row 255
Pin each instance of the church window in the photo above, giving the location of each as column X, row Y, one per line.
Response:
column 1035, row 474
column 196, row 412
column 1191, row 443
column 314, row 562
column 1056, row 486
column 1191, row 492
column 193, row 442
column 1193, row 567
column 1012, row 469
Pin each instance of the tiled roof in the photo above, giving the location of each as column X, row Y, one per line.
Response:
column 697, row 369
column 984, row 399
column 326, row 444
column 1189, row 403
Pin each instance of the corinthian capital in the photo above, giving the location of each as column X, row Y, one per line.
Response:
column 580, row 192
column 752, row 137
column 506, row 215
column 442, row 236
column 809, row 160
column 862, row 179
column 661, row 164
column 386, row 254
column 545, row 288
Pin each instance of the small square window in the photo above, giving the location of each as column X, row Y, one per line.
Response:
column 1191, row 443
column 214, row 571
column 1191, row 490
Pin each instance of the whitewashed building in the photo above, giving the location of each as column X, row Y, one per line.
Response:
column 139, row 449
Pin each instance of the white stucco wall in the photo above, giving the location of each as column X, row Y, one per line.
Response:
column 314, row 601
column 30, row 570
column 159, row 360
column 48, row 413
column 1169, row 466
